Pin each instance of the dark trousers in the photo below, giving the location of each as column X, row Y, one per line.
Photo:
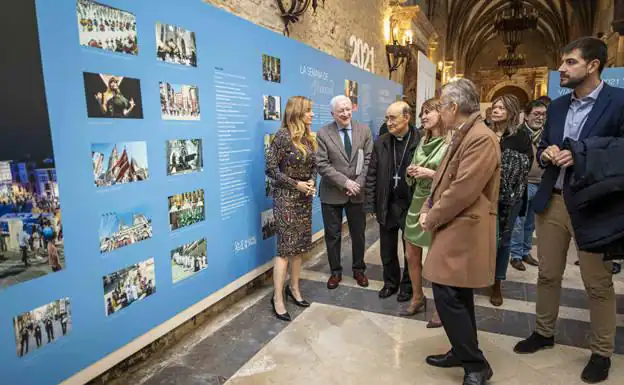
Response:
column 389, row 249
column 456, row 309
column 24, row 254
column 332, row 220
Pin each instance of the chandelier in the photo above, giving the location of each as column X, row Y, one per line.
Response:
column 294, row 10
column 513, row 20
column 511, row 62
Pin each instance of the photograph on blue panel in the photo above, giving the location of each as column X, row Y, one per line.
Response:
column 186, row 209
column 179, row 101
column 175, row 45
column 352, row 92
column 272, row 107
column 269, row 226
column 119, row 163
column 110, row 96
column 42, row 326
column 103, row 27
column 184, row 156
column 188, row 260
column 123, row 228
column 129, row 285
column 268, row 186
column 271, row 69
column 31, row 234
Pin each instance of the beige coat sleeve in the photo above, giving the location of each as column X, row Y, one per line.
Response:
column 478, row 162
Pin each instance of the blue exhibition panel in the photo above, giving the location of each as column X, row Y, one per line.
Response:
column 612, row 76
column 132, row 192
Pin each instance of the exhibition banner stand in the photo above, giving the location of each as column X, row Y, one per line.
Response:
column 132, row 181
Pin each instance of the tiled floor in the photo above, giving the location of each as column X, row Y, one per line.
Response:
column 350, row 336
column 333, row 345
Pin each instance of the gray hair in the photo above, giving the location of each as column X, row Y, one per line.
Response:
column 337, row 99
column 463, row 92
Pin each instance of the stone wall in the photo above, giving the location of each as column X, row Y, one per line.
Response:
column 329, row 30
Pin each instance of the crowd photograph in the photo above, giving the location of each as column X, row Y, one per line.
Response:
column 119, row 163
column 186, row 209
column 42, row 326
column 179, row 101
column 175, row 45
column 188, row 260
column 32, row 243
column 110, row 96
column 128, row 286
column 124, row 228
column 184, row 156
column 106, row 28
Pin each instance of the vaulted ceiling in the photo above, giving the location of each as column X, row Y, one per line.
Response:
column 470, row 24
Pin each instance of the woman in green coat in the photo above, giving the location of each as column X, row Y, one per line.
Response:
column 425, row 162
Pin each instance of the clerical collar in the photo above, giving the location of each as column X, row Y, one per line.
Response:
column 400, row 138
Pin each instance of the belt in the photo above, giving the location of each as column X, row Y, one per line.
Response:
column 557, row 191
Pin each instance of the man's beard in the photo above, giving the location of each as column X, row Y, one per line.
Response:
column 573, row 83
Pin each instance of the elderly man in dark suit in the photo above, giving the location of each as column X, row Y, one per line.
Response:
column 389, row 196
column 594, row 109
column 344, row 150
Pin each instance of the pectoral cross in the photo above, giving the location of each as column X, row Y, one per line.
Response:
column 396, row 178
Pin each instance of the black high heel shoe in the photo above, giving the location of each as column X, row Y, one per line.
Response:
column 283, row 317
column 302, row 303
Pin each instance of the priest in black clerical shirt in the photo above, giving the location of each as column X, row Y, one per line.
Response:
column 388, row 195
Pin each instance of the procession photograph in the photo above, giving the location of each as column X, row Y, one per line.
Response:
column 175, row 45
column 186, row 209
column 352, row 92
column 188, row 260
column 110, row 96
column 31, row 231
column 119, row 163
column 128, row 286
column 268, row 138
column 123, row 228
column 179, row 101
column 269, row 226
column 106, row 28
column 271, row 69
column 272, row 107
column 42, row 326
column 184, row 156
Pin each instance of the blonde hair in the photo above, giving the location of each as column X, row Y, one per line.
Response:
column 433, row 104
column 294, row 115
column 512, row 106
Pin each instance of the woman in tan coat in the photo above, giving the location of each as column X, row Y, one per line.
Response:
column 461, row 214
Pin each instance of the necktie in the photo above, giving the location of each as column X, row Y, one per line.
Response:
column 347, row 142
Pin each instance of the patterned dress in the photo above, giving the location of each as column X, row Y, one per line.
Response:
column 428, row 155
column 286, row 166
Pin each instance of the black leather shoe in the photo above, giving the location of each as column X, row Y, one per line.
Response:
column 597, row 369
column 478, row 378
column 284, row 316
column 534, row 343
column 386, row 291
column 404, row 296
column 302, row 303
column 448, row 360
